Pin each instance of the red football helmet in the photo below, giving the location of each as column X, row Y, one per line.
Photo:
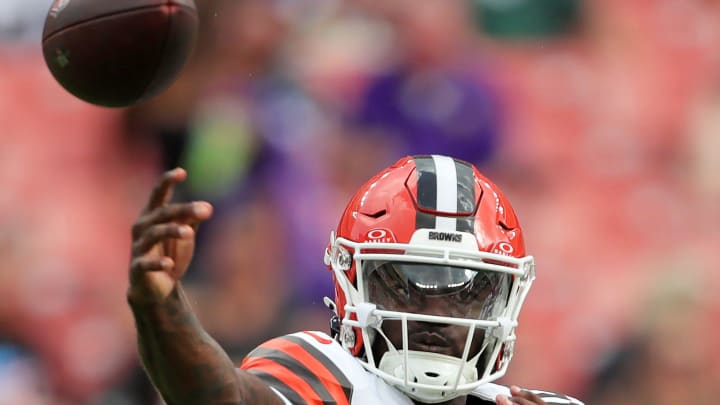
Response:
column 430, row 229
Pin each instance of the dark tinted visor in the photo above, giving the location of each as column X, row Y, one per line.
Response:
column 412, row 287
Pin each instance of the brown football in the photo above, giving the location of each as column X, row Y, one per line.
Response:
column 116, row 53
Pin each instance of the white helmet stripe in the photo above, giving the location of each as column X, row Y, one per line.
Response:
column 446, row 192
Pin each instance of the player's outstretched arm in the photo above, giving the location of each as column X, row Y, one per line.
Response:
column 184, row 363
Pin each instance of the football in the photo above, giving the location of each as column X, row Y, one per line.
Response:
column 116, row 53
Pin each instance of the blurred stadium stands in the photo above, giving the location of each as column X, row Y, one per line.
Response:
column 599, row 119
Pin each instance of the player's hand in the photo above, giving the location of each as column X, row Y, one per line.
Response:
column 163, row 241
column 519, row 396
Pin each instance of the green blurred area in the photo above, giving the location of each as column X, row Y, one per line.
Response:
column 526, row 19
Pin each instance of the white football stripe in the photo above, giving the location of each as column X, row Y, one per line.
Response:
column 446, row 192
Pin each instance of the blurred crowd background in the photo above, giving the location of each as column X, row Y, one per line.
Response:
column 599, row 119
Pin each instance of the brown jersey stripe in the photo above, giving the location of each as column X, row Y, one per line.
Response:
column 289, row 378
column 293, row 360
column 280, row 386
column 329, row 370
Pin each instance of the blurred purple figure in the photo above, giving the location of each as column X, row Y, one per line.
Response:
column 434, row 99
column 441, row 112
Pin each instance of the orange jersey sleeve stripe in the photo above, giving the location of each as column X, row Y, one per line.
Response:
column 301, row 387
column 299, row 353
column 329, row 364
column 301, row 357
column 298, row 369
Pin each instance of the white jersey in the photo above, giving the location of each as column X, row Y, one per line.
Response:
column 312, row 368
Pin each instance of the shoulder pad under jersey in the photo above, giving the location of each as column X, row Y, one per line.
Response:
column 312, row 368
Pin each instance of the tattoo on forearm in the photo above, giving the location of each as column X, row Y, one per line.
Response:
column 183, row 361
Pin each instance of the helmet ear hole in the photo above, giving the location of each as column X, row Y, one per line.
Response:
column 334, row 326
